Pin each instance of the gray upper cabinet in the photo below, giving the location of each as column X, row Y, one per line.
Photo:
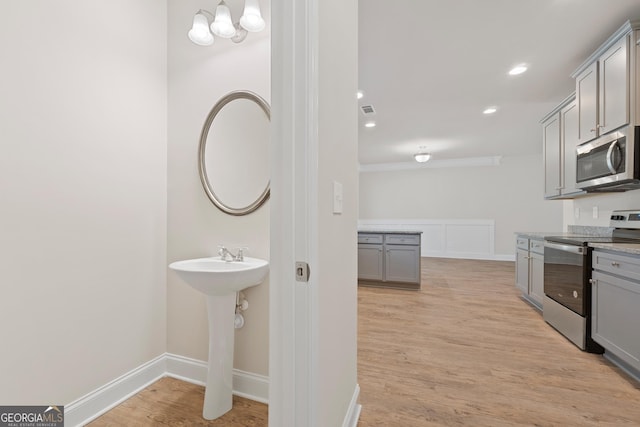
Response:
column 586, row 97
column 551, row 150
column 603, row 87
column 559, row 142
column 568, row 145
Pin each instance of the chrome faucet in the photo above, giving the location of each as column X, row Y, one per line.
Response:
column 227, row 256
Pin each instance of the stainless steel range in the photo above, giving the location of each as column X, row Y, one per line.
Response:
column 567, row 272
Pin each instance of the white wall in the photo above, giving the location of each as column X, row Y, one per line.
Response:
column 605, row 204
column 511, row 194
column 198, row 77
column 83, row 194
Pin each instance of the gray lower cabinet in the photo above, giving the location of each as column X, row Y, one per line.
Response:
column 370, row 262
column 616, row 306
column 530, row 269
column 389, row 259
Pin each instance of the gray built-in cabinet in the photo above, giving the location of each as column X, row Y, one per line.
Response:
column 602, row 89
column 615, row 321
column 530, row 269
column 559, row 142
column 605, row 99
column 390, row 259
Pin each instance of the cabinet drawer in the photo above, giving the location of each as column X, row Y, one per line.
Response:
column 402, row 239
column 370, row 238
column 522, row 243
column 536, row 246
column 622, row 265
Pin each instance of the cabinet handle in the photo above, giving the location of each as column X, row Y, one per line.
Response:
column 615, row 264
column 592, row 130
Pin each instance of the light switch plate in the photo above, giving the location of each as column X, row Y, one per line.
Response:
column 595, row 212
column 337, row 197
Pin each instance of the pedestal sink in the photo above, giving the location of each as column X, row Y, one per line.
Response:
column 219, row 280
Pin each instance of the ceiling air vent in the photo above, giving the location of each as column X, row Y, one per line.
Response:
column 367, row 110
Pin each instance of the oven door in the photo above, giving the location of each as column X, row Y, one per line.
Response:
column 566, row 275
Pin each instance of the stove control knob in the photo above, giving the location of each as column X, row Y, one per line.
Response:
column 575, row 294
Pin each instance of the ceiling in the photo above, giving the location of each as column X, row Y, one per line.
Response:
column 430, row 67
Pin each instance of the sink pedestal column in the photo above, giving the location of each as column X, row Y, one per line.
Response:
column 218, row 392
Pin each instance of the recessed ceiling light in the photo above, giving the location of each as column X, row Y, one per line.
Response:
column 490, row 110
column 518, row 69
column 370, row 124
column 360, row 94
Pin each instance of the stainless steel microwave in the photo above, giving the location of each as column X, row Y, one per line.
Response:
column 610, row 162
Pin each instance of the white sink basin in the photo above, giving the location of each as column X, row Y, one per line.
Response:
column 213, row 276
column 220, row 280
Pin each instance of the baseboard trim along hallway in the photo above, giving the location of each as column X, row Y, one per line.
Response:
column 92, row 405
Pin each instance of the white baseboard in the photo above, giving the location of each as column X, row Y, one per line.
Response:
column 99, row 401
column 245, row 384
column 353, row 413
column 91, row 406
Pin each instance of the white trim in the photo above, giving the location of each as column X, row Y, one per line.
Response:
column 353, row 412
column 432, row 164
column 99, row 401
column 294, row 88
column 91, row 406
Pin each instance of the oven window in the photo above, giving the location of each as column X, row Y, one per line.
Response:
column 564, row 278
column 593, row 164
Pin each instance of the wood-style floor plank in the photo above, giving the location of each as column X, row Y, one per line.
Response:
column 465, row 350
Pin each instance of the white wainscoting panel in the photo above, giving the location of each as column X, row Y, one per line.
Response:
column 445, row 238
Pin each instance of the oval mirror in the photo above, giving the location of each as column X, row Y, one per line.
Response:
column 233, row 157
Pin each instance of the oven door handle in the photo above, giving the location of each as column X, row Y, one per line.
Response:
column 566, row 248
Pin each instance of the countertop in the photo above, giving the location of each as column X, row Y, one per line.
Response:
column 540, row 235
column 628, row 248
column 391, row 231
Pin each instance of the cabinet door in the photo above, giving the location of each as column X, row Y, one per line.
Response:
column 615, row 316
column 402, row 263
column 551, row 149
column 587, row 100
column 536, row 278
column 569, row 142
column 370, row 262
column 613, row 110
column 522, row 270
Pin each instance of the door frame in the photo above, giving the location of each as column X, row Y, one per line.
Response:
column 293, row 217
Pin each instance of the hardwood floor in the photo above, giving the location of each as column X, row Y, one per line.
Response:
column 467, row 351
column 463, row 351
column 171, row 402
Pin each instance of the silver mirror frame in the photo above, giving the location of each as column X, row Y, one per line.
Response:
column 202, row 168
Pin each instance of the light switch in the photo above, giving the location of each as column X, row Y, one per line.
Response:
column 595, row 212
column 337, row 197
column 577, row 213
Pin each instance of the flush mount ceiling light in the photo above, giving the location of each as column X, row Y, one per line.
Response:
column 422, row 156
column 490, row 110
column 360, row 94
column 370, row 124
column 223, row 26
column 518, row 69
